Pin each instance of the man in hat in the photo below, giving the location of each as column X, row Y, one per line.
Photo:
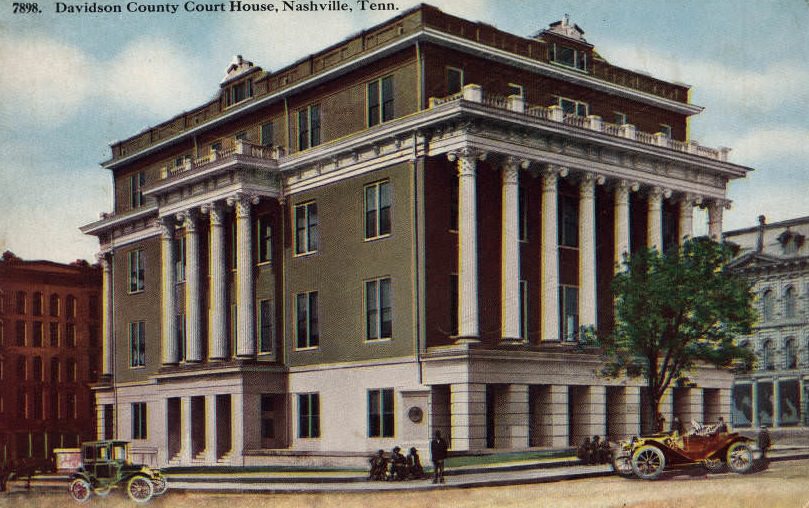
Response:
column 438, row 453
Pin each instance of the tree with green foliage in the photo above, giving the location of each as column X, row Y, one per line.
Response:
column 674, row 311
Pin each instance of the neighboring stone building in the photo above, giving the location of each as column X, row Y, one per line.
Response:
column 50, row 353
column 399, row 234
column 775, row 258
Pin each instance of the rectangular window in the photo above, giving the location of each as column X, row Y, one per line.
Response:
column 239, row 92
column 454, row 80
column 380, row 413
column 136, row 271
column 308, row 415
column 665, row 130
column 573, row 108
column 179, row 259
column 378, row 310
column 241, row 136
column 267, row 416
column 93, row 335
column 377, row 210
column 71, row 406
column 569, row 57
column 309, row 127
column 139, row 420
column 179, row 335
column 514, row 89
column 522, row 205
column 620, row 118
column 380, row 101
column 38, row 334
column 266, row 134
column 54, row 334
column 216, row 147
column 264, row 237
column 136, row 183
column 20, row 333
column 568, row 221
column 38, row 404
column 308, row 335
column 20, row 302
column 71, row 306
column 453, row 304
column 137, row 344
column 70, row 335
column 37, row 367
column 265, row 326
column 306, row 231
column 55, row 370
column 524, row 309
column 37, row 304
column 569, row 312
column 94, row 306
column 22, row 370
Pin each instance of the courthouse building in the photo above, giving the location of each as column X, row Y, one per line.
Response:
column 775, row 259
column 399, row 234
column 50, row 353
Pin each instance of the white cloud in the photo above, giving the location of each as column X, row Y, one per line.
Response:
column 753, row 90
column 42, row 80
column 771, row 144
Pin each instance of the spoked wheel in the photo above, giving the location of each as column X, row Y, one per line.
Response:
column 102, row 492
column 159, row 486
column 139, row 489
column 622, row 464
column 648, row 462
column 740, row 457
column 80, row 490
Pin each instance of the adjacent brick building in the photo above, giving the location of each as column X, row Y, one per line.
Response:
column 50, row 353
column 401, row 233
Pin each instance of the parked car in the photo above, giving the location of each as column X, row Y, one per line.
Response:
column 105, row 466
column 647, row 457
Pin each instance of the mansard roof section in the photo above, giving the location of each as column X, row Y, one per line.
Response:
column 420, row 23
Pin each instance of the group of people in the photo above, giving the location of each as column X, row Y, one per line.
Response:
column 401, row 467
column 594, row 451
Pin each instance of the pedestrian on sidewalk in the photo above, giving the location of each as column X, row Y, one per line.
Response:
column 763, row 441
column 438, row 453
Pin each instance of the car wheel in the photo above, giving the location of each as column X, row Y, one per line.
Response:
column 714, row 465
column 139, row 489
column 740, row 457
column 648, row 462
column 80, row 490
column 102, row 492
column 622, row 464
column 160, row 486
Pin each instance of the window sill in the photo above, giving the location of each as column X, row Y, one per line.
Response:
column 305, row 254
column 569, row 67
column 139, row 291
column 311, row 348
column 375, row 238
column 377, row 341
column 264, row 263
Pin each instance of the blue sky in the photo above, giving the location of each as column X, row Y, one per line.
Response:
column 72, row 83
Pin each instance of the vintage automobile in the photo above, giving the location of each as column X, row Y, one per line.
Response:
column 105, row 465
column 647, row 457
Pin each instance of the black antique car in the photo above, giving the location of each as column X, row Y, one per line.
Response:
column 647, row 457
column 105, row 465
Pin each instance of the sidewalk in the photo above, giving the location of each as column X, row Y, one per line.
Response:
column 510, row 473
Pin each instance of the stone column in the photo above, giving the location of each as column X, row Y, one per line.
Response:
column 621, row 221
column 654, row 224
column 468, row 416
column 193, row 310
column 108, row 313
column 467, row 243
column 549, row 302
column 510, row 258
column 686, row 223
column 245, row 312
column 776, row 403
column 715, row 210
column 218, row 332
column 516, row 416
column 237, row 429
column 754, row 396
column 587, row 249
column 632, row 411
column 171, row 350
column 597, row 410
column 186, row 426
column 210, row 430
column 557, row 415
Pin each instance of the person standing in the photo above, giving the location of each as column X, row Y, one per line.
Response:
column 721, row 426
column 438, row 453
column 763, row 441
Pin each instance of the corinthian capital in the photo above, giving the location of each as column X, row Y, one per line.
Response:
column 188, row 219
column 166, row 224
column 243, row 201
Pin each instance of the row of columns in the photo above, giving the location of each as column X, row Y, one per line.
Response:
column 245, row 320
column 467, row 159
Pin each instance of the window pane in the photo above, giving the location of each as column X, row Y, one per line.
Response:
column 373, row 413
column 387, row 99
column 302, row 312
column 314, row 120
column 266, row 134
column 387, row 413
column 454, row 81
column 265, row 317
column 314, row 331
column 300, row 229
column 303, row 130
column 312, row 226
column 370, row 211
column 386, row 326
column 565, row 55
column 384, row 208
column 314, row 410
column 373, row 103
column 371, row 312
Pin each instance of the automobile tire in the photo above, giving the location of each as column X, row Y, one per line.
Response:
column 648, row 462
column 160, row 486
column 740, row 457
column 139, row 489
column 622, row 465
column 80, row 490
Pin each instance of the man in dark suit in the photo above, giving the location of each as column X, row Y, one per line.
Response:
column 438, row 453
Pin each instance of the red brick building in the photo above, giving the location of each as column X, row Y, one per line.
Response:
column 49, row 354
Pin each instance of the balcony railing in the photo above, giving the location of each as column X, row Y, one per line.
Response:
column 238, row 147
column 516, row 104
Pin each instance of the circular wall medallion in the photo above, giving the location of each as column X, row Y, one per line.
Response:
column 415, row 414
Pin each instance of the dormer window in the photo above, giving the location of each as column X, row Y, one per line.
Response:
column 569, row 57
column 238, row 92
column 790, row 241
column 574, row 108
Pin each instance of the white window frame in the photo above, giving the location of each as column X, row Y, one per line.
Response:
column 265, row 309
column 460, row 72
column 313, row 407
column 621, row 118
column 385, row 109
column 311, row 140
column 311, row 241
column 377, row 210
column 263, row 240
column 665, row 129
column 379, row 395
column 576, row 106
column 137, row 340
column 137, row 271
column 572, row 334
column 521, row 89
column 376, row 285
column 310, row 341
column 179, row 259
column 136, row 183
column 140, row 421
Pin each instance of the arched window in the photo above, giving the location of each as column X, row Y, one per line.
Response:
column 767, row 306
column 55, row 303
column 790, row 354
column 790, row 303
column 768, row 355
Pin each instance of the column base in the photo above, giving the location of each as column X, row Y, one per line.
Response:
column 512, row 341
column 467, row 340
